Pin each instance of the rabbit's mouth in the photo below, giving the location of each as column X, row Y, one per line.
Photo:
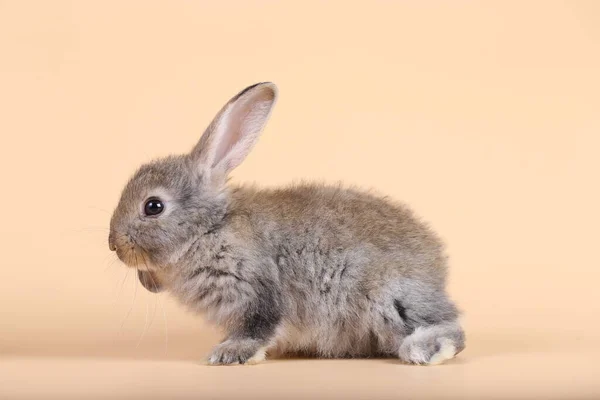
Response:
column 134, row 256
column 130, row 253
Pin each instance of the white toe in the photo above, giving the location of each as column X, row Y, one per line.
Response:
column 258, row 357
column 446, row 352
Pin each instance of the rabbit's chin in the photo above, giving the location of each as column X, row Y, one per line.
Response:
column 150, row 281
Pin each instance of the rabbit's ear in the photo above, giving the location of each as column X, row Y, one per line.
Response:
column 234, row 131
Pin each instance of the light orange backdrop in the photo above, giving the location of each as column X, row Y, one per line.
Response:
column 483, row 116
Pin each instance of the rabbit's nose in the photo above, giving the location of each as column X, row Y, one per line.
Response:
column 111, row 243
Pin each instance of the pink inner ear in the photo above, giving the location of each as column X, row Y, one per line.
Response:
column 241, row 125
column 233, row 125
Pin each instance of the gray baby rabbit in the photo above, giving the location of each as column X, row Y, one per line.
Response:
column 308, row 269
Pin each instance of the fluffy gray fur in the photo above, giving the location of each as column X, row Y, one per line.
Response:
column 313, row 269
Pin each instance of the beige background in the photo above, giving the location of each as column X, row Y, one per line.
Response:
column 484, row 116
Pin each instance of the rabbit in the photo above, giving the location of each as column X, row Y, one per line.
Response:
column 309, row 269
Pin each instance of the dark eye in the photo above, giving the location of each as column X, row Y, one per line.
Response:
column 153, row 206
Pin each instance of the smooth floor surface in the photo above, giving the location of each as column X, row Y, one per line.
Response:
column 505, row 366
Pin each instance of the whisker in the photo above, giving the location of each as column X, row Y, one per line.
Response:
column 111, row 263
column 87, row 230
column 113, row 260
column 122, row 285
column 146, row 325
column 166, row 326
column 83, row 234
column 131, row 307
column 99, row 209
column 162, row 309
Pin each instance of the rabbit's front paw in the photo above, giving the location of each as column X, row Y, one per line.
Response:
column 232, row 352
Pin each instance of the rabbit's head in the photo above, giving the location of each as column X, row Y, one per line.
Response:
column 169, row 201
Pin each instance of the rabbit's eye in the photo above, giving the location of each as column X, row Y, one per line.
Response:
column 153, row 206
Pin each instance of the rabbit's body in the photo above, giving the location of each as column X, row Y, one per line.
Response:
column 313, row 269
column 343, row 273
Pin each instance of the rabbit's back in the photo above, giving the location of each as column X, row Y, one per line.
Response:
column 322, row 221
